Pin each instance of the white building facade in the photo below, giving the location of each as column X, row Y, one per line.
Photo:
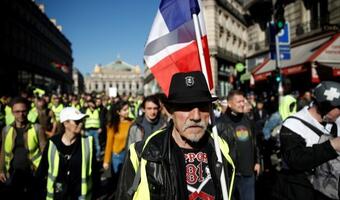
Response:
column 120, row 76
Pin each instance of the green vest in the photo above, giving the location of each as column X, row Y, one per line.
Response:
column 86, row 168
column 33, row 147
column 9, row 115
column 142, row 191
column 57, row 111
column 33, row 115
column 93, row 119
column 82, row 102
column 76, row 106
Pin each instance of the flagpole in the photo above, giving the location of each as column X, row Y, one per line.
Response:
column 214, row 129
column 200, row 48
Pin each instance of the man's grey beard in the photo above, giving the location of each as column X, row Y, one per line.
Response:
column 195, row 137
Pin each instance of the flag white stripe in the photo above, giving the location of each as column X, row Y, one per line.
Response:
column 154, row 59
column 158, row 28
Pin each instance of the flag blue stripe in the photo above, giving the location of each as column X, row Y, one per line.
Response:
column 177, row 12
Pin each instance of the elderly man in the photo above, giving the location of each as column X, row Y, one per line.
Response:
column 178, row 162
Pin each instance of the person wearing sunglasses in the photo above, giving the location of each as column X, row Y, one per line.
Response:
column 68, row 168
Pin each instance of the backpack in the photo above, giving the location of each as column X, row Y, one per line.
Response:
column 325, row 178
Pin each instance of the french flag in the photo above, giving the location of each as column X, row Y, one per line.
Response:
column 171, row 46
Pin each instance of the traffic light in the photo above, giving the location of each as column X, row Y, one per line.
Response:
column 278, row 77
column 279, row 16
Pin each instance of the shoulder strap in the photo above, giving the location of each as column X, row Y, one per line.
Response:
column 310, row 126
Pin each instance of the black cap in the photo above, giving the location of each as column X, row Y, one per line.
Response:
column 189, row 87
column 328, row 92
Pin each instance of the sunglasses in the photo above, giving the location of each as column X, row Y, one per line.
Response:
column 77, row 122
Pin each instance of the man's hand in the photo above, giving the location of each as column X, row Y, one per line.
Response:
column 335, row 142
column 106, row 166
column 3, row 177
column 257, row 169
column 99, row 130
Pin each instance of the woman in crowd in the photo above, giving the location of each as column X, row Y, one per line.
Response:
column 117, row 134
column 68, row 169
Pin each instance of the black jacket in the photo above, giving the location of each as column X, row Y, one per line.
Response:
column 299, row 161
column 166, row 168
column 226, row 126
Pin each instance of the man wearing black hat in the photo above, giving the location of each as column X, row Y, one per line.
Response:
column 178, row 162
column 304, row 151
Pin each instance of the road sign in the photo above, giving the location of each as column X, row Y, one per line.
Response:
column 284, row 34
column 284, row 52
column 284, row 42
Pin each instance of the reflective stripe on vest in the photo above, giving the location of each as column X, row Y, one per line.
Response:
column 86, row 168
column 93, row 120
column 34, row 153
column 142, row 191
column 57, row 110
column 225, row 151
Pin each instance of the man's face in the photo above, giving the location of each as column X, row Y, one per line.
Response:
column 20, row 112
column 259, row 105
column 41, row 103
column 56, row 100
column 236, row 103
column 191, row 120
column 308, row 96
column 332, row 115
column 151, row 110
column 98, row 102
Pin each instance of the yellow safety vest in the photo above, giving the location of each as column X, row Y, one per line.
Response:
column 57, row 111
column 9, row 116
column 33, row 146
column 76, row 106
column 93, row 120
column 33, row 115
column 86, row 168
column 143, row 192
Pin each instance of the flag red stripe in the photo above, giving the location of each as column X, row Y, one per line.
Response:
column 183, row 60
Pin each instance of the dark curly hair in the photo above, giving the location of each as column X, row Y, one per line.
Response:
column 113, row 117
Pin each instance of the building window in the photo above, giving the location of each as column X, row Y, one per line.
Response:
column 96, row 86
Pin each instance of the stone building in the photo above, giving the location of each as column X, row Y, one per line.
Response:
column 227, row 39
column 78, row 81
column 314, row 32
column 120, row 76
column 33, row 51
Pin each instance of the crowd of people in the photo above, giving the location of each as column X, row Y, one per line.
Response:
column 158, row 147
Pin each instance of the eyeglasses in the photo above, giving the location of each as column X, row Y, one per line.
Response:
column 19, row 111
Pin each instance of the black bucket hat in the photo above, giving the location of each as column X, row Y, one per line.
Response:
column 189, row 87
